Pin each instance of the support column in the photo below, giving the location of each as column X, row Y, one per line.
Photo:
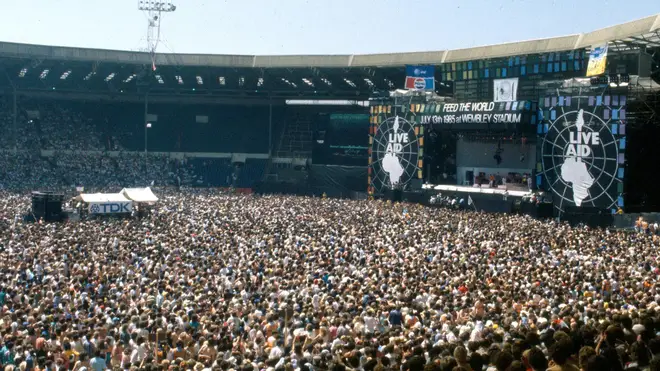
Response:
column 270, row 128
column 144, row 122
column 15, row 118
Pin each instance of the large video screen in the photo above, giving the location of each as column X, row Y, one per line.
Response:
column 583, row 149
column 341, row 139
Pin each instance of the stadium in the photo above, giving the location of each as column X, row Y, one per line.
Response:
column 482, row 208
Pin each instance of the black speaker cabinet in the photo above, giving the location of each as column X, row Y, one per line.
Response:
column 47, row 206
column 397, row 195
column 469, row 176
column 416, row 184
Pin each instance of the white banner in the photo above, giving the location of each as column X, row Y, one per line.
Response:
column 505, row 90
column 123, row 207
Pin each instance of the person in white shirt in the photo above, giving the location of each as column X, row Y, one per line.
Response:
column 277, row 351
column 370, row 322
column 140, row 352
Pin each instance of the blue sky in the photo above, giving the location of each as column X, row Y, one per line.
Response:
column 311, row 26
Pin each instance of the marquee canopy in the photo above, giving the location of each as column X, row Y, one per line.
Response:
column 139, row 194
column 103, row 197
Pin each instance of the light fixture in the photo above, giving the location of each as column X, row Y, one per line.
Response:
column 110, row 77
column 599, row 80
column 159, row 78
column 22, row 72
column 350, row 83
column 44, row 73
column 65, row 75
column 221, row 80
column 308, row 81
column 156, row 6
column 179, row 79
column 292, row 84
column 89, row 75
column 326, row 81
column 130, row 78
column 614, row 81
column 327, row 102
column 241, row 81
column 200, row 81
column 369, row 82
column 260, row 81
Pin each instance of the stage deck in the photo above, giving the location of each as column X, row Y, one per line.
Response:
column 475, row 189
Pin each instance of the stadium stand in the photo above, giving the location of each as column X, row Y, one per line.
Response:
column 208, row 280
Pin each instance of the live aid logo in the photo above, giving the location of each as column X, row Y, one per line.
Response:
column 579, row 143
column 396, row 141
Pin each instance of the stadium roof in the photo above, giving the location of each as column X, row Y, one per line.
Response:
column 642, row 32
column 79, row 73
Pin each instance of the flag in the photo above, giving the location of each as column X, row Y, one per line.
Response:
column 471, row 203
column 597, row 60
column 505, row 90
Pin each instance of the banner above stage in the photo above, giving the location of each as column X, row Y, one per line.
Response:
column 475, row 115
column 597, row 60
column 420, row 78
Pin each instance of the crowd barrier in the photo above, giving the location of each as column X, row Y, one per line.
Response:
column 626, row 221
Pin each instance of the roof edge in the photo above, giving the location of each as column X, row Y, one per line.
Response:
column 536, row 46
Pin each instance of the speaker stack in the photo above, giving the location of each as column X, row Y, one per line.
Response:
column 47, row 206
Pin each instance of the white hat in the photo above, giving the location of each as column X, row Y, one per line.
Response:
column 638, row 329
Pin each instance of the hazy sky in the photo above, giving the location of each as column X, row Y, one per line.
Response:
column 310, row 26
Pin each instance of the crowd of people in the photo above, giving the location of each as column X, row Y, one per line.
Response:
column 46, row 125
column 56, row 145
column 215, row 281
column 71, row 125
column 28, row 171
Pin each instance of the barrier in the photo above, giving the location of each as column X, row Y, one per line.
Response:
column 627, row 221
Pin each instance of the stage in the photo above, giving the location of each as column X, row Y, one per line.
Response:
column 509, row 190
column 484, row 199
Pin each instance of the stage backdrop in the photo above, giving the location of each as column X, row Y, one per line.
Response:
column 478, row 157
column 396, row 148
column 583, row 139
column 341, row 139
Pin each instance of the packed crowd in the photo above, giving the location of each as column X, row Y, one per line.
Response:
column 27, row 171
column 48, row 126
column 66, row 129
column 211, row 281
column 63, row 125
column 127, row 169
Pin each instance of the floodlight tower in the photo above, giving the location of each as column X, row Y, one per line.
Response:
column 154, row 9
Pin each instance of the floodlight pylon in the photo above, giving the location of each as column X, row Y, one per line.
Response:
column 153, row 10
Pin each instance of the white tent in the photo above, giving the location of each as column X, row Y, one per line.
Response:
column 139, row 194
column 103, row 197
column 106, row 203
